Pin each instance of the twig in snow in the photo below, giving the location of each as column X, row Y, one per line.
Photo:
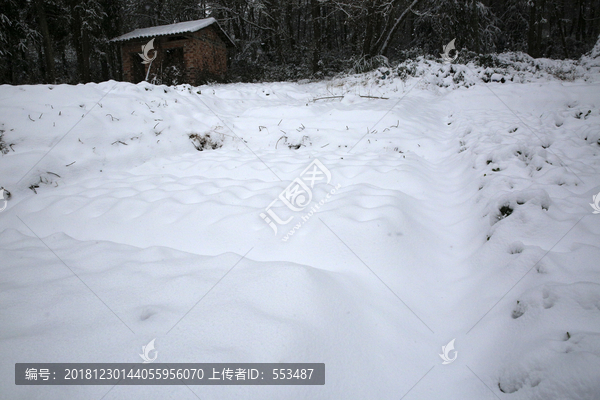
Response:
column 328, row 97
column 373, row 97
column 48, row 172
column 278, row 141
column 118, row 141
column 111, row 117
column 325, row 145
column 68, row 165
column 29, row 115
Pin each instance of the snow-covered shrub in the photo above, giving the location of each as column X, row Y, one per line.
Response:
column 471, row 68
column 404, row 71
column 365, row 64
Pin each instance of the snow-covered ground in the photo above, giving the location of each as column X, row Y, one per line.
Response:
column 439, row 211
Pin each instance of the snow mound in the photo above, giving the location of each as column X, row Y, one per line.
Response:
column 441, row 215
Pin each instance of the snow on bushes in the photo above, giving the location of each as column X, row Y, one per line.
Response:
column 471, row 68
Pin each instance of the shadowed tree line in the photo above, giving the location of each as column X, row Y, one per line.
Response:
column 67, row 41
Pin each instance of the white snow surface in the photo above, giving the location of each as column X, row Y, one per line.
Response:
column 172, row 29
column 458, row 212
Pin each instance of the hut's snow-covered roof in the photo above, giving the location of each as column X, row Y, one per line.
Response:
column 172, row 29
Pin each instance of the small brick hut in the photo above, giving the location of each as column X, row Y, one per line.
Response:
column 187, row 52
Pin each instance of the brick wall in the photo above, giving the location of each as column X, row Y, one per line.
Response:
column 206, row 56
column 204, row 53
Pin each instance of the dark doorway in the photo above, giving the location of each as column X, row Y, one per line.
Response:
column 139, row 72
column 172, row 67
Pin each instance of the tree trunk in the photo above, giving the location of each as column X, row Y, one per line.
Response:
column 316, row 23
column 531, row 33
column 540, row 30
column 290, row 29
column 46, row 40
column 580, row 21
column 391, row 31
column 369, row 31
column 562, row 38
column 85, row 52
column 76, row 35
column 475, row 28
